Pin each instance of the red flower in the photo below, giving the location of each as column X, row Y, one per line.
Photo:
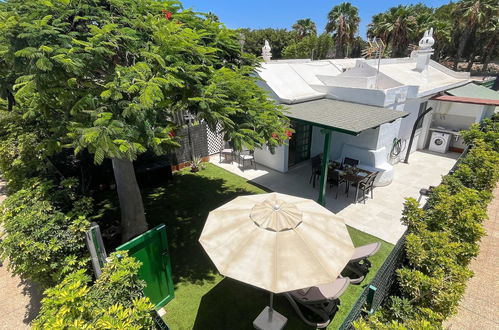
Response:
column 167, row 14
column 171, row 134
column 275, row 135
column 289, row 134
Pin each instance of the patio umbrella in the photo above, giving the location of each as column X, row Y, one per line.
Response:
column 277, row 242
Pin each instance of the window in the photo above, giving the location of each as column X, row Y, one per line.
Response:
column 422, row 108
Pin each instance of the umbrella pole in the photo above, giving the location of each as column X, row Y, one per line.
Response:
column 271, row 309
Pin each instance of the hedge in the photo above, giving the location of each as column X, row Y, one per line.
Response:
column 443, row 238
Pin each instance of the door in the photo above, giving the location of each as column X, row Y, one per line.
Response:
column 151, row 248
column 299, row 145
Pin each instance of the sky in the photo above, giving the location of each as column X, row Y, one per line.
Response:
column 258, row 14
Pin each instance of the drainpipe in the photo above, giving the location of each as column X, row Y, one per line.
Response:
column 420, row 117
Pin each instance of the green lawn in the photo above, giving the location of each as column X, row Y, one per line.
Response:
column 203, row 298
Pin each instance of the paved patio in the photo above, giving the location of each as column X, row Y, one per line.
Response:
column 379, row 216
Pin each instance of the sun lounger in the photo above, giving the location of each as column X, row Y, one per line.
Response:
column 319, row 303
column 359, row 264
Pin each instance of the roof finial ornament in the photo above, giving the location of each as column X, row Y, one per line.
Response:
column 427, row 41
column 266, row 52
column 424, row 52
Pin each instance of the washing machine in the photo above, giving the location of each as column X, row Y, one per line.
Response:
column 440, row 142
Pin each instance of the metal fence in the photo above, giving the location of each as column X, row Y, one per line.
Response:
column 383, row 283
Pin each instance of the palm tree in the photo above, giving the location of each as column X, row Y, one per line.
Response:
column 469, row 15
column 344, row 21
column 491, row 40
column 305, row 27
column 398, row 26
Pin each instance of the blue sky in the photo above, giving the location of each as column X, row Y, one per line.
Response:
column 284, row 13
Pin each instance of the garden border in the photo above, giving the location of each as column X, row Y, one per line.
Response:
column 380, row 287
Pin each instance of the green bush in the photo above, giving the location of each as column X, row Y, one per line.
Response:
column 45, row 229
column 443, row 238
column 114, row 301
column 21, row 150
column 479, row 169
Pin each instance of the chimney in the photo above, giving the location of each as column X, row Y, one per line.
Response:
column 266, row 52
column 425, row 51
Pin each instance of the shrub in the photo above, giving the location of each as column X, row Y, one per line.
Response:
column 479, row 169
column 443, row 238
column 21, row 149
column 44, row 226
column 433, row 277
column 114, row 301
column 488, row 131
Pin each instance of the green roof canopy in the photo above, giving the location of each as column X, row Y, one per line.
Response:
column 340, row 116
column 474, row 91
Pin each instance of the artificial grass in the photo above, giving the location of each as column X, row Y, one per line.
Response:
column 203, row 298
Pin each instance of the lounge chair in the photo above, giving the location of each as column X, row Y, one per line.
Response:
column 359, row 264
column 318, row 303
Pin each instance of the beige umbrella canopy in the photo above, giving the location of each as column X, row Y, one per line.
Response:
column 277, row 242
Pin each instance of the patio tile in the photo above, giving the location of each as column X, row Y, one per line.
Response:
column 379, row 216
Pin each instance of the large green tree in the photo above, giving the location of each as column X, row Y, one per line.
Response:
column 469, row 16
column 108, row 77
column 305, row 27
column 313, row 47
column 278, row 39
column 343, row 22
column 395, row 27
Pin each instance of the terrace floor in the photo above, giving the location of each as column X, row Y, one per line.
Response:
column 379, row 216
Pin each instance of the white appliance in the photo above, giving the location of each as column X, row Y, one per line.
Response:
column 440, row 142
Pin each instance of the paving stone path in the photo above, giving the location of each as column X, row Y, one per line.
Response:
column 19, row 300
column 479, row 308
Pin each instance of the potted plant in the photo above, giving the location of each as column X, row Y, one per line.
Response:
column 196, row 164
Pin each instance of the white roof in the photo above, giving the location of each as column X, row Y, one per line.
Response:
column 309, row 71
column 430, row 81
column 287, row 84
column 295, row 81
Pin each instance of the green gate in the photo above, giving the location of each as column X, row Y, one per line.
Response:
column 151, row 248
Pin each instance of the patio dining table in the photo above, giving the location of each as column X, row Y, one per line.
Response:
column 353, row 178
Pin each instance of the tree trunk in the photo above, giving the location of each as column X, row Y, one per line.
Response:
column 470, row 62
column 133, row 220
column 488, row 53
column 460, row 49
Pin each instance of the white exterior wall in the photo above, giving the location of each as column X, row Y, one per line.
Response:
column 394, row 99
column 277, row 161
column 412, row 106
column 367, row 140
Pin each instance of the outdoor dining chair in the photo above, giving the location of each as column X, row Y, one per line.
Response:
column 319, row 303
column 247, row 156
column 225, row 152
column 316, row 169
column 359, row 264
column 350, row 162
column 365, row 185
column 335, row 179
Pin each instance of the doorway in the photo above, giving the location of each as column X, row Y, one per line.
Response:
column 299, row 145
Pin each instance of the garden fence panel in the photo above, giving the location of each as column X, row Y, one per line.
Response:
column 215, row 140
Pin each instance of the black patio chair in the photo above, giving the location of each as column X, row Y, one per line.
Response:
column 335, row 179
column 350, row 162
column 316, row 169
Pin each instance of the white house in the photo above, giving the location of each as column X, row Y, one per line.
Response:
column 409, row 84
